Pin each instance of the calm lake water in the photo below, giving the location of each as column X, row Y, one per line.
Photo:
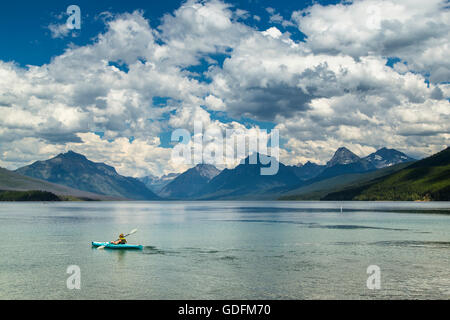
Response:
column 226, row 250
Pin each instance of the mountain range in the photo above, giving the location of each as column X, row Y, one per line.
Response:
column 308, row 170
column 14, row 182
column 246, row 182
column 424, row 180
column 345, row 162
column 156, row 184
column 189, row 184
column 345, row 175
column 76, row 171
column 387, row 157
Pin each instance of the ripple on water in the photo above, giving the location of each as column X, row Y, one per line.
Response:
column 414, row 243
column 399, row 243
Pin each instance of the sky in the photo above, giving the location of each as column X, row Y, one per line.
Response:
column 361, row 74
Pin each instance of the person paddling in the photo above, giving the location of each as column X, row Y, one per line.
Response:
column 121, row 240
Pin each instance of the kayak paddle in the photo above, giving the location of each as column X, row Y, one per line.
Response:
column 129, row 234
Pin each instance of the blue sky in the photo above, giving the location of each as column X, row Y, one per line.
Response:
column 26, row 38
column 363, row 74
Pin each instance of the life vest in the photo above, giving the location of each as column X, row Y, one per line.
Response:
column 122, row 240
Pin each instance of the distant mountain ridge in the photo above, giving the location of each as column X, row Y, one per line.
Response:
column 344, row 162
column 342, row 156
column 319, row 189
column 308, row 171
column 387, row 157
column 189, row 183
column 12, row 181
column 156, row 184
column 76, row 171
column 206, row 182
column 426, row 179
column 245, row 181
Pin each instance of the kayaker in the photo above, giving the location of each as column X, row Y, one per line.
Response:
column 121, row 240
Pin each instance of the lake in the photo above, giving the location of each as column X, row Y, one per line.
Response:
column 226, row 250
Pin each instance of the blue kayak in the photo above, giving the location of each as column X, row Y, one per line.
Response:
column 117, row 246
